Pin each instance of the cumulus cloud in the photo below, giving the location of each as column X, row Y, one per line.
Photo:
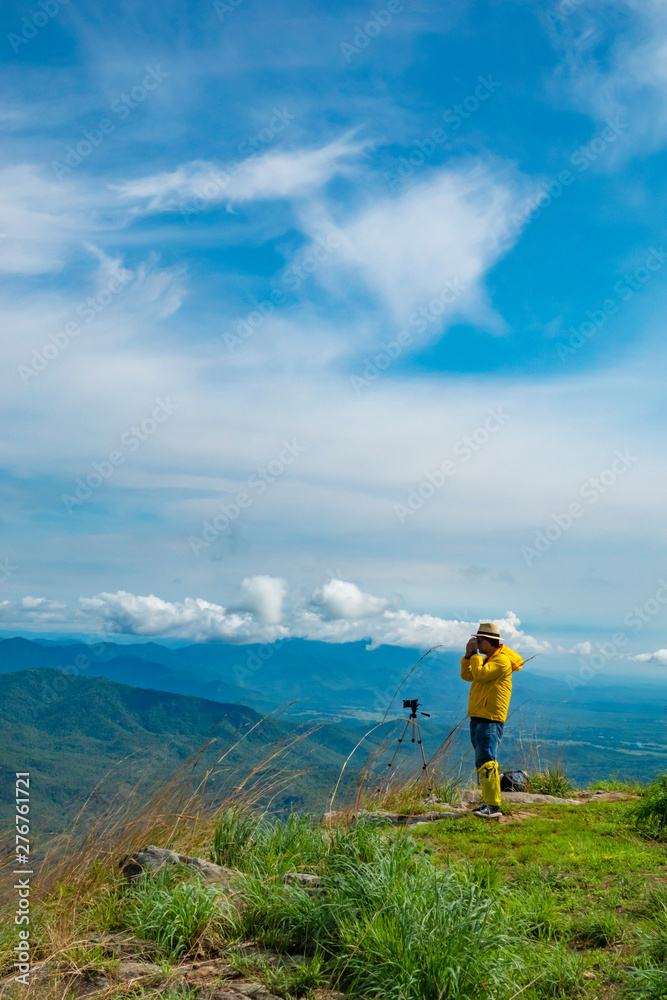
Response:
column 341, row 599
column 581, row 649
column 273, row 175
column 343, row 614
column 660, row 656
column 263, row 597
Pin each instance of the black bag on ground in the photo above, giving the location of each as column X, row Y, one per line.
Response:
column 513, row 781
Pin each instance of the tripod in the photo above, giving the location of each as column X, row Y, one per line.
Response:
column 412, row 720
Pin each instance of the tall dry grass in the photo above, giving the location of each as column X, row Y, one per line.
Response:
column 78, row 876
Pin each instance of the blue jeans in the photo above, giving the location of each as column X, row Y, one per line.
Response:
column 485, row 736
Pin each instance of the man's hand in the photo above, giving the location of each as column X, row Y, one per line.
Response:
column 472, row 646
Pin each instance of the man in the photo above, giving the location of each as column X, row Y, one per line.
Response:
column 491, row 678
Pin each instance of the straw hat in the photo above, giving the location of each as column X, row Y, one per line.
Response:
column 487, row 630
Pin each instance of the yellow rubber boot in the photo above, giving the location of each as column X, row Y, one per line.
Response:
column 490, row 781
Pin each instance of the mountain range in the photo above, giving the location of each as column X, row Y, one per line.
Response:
column 73, row 710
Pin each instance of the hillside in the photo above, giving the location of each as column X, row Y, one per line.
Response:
column 603, row 728
column 561, row 900
column 69, row 731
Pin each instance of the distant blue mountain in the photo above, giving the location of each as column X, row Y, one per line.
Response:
column 607, row 726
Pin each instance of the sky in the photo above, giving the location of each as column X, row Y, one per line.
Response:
column 336, row 321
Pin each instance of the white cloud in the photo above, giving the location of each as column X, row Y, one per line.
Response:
column 660, row 656
column 291, row 174
column 358, row 616
column 430, row 248
column 192, row 618
column 31, row 610
column 341, row 599
column 631, row 81
column 263, row 597
column 41, row 220
column 581, row 649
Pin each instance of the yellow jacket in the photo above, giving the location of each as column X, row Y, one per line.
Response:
column 491, row 682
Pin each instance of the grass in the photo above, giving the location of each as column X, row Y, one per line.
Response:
column 410, row 796
column 615, row 784
column 552, row 781
column 651, row 813
column 582, row 876
column 179, row 916
column 569, row 902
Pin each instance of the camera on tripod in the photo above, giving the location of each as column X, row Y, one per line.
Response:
column 413, row 705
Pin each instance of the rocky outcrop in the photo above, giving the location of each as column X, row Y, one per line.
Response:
column 396, row 818
column 152, row 859
column 472, row 796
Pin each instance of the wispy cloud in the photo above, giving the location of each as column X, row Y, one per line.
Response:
column 616, row 52
column 274, row 175
column 436, row 239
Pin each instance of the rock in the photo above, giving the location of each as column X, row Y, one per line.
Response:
column 136, row 970
column 432, row 817
column 534, row 797
column 397, row 819
column 224, row 993
column 602, row 796
column 312, row 884
column 303, row 879
column 472, row 796
column 153, row 859
column 259, row 956
column 257, row 991
column 121, row 944
column 89, row 985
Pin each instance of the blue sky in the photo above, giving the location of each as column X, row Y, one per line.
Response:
column 335, row 321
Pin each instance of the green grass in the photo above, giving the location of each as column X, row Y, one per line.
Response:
column 651, row 813
column 177, row 915
column 570, row 902
column 615, row 784
column 553, row 781
column 583, row 876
